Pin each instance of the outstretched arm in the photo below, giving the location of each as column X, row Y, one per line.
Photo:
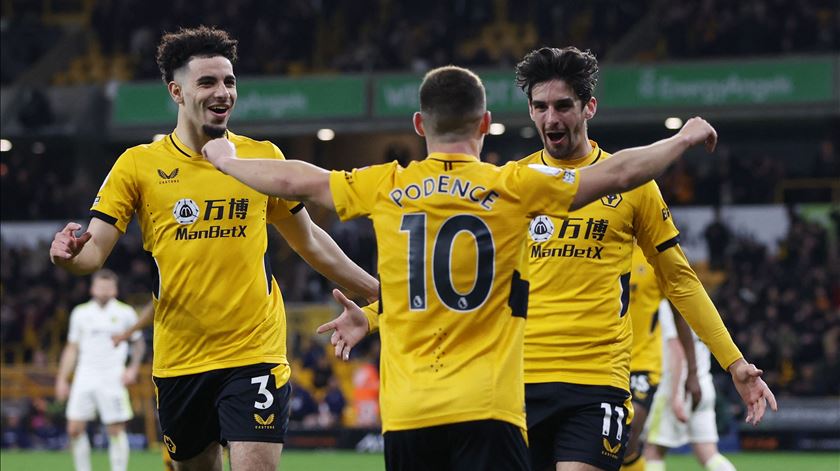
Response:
column 288, row 179
column 632, row 167
column 349, row 328
column 680, row 284
column 86, row 253
column 322, row 253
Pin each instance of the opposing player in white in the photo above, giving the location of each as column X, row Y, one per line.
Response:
column 101, row 376
column 672, row 423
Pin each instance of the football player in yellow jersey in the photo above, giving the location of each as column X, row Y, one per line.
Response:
column 220, row 366
column 450, row 231
column 578, row 336
column 646, row 304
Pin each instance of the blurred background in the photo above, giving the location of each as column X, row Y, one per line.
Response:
column 334, row 83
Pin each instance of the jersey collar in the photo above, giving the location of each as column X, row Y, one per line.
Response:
column 588, row 159
column 183, row 149
column 441, row 156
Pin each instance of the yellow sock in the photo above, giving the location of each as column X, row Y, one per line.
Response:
column 167, row 460
column 637, row 464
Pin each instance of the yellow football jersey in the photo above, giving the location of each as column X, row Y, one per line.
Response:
column 216, row 302
column 578, row 330
column 645, row 296
column 451, row 238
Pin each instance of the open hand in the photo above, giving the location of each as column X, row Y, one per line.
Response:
column 753, row 390
column 349, row 328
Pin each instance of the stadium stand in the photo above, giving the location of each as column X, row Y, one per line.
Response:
column 781, row 302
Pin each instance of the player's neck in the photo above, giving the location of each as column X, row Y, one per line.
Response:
column 101, row 302
column 192, row 137
column 469, row 147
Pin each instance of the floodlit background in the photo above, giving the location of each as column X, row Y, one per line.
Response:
column 335, row 83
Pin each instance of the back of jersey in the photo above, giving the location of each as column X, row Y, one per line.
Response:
column 450, row 232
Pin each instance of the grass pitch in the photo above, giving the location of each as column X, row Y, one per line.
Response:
column 294, row 460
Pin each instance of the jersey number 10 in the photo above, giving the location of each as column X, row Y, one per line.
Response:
column 415, row 225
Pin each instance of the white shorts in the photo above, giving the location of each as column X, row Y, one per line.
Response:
column 664, row 429
column 111, row 402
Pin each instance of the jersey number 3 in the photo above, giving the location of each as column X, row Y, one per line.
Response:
column 415, row 225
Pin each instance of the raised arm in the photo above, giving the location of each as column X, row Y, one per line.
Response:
column 322, row 253
column 632, row 167
column 86, row 253
column 289, row 179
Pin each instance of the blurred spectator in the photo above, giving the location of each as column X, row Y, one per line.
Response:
column 15, row 432
column 303, row 410
column 717, row 237
column 332, row 407
column 366, row 388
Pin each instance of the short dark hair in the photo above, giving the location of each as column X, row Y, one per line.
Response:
column 579, row 69
column 105, row 274
column 176, row 49
column 452, row 101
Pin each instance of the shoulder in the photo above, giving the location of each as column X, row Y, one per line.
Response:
column 247, row 145
column 121, row 306
column 142, row 149
column 82, row 308
column 535, row 158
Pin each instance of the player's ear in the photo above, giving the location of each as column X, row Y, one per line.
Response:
column 175, row 92
column 418, row 124
column 484, row 126
column 590, row 108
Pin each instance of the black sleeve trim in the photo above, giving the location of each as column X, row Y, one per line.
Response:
column 267, row 267
column 153, row 270
column 668, row 244
column 518, row 299
column 297, row 208
column 100, row 215
column 380, row 294
column 624, row 280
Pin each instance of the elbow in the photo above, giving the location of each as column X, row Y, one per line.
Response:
column 626, row 178
column 283, row 186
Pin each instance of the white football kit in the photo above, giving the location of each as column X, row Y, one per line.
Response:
column 97, row 380
column 663, row 428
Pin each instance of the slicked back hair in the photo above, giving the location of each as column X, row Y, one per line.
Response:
column 176, row 49
column 579, row 69
column 452, row 102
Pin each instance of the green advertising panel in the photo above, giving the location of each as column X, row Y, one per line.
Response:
column 745, row 83
column 258, row 100
column 717, row 84
column 396, row 95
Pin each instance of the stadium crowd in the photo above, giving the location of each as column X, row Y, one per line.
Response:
column 308, row 36
column 782, row 304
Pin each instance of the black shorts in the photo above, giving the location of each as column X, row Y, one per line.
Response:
column 642, row 389
column 574, row 422
column 241, row 404
column 464, row 446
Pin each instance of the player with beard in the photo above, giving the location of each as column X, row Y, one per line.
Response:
column 578, row 336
